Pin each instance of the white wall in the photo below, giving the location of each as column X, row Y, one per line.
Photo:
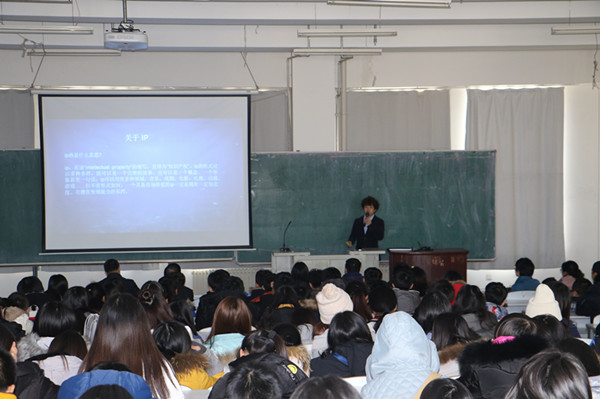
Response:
column 581, row 175
column 472, row 68
column 314, row 81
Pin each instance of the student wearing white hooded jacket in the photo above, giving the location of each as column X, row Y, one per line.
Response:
column 403, row 360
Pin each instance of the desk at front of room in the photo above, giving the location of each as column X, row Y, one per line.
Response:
column 283, row 261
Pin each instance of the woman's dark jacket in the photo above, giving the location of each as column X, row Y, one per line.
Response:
column 348, row 361
column 488, row 370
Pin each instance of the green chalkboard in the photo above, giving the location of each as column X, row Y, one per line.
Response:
column 437, row 199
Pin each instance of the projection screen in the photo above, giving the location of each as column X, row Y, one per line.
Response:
column 133, row 172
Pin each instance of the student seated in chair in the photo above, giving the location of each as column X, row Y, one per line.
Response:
column 7, row 375
column 524, row 270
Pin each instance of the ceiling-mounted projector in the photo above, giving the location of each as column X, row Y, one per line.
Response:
column 126, row 40
column 125, row 36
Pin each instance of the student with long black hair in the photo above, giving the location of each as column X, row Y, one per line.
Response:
column 470, row 304
column 451, row 334
column 52, row 319
column 433, row 304
column 190, row 366
column 570, row 272
column 349, row 345
column 551, row 375
column 123, row 335
column 382, row 300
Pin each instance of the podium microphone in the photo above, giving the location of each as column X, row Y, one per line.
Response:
column 284, row 248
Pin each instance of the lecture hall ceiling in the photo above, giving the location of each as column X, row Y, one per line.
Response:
column 272, row 25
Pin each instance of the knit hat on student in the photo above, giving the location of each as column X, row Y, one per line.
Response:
column 332, row 300
column 543, row 302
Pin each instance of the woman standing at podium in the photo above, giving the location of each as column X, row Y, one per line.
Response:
column 368, row 229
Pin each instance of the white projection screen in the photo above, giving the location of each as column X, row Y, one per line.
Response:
column 145, row 172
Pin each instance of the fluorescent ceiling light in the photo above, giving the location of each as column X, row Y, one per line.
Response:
column 44, row 1
column 345, row 32
column 393, row 3
column 71, row 52
column 576, row 30
column 47, row 30
column 337, row 51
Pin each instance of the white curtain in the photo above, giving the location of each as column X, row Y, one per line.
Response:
column 525, row 127
column 271, row 129
column 399, row 121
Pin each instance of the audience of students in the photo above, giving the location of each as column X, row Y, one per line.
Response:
column 308, row 322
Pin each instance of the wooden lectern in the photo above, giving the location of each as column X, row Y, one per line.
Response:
column 435, row 263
